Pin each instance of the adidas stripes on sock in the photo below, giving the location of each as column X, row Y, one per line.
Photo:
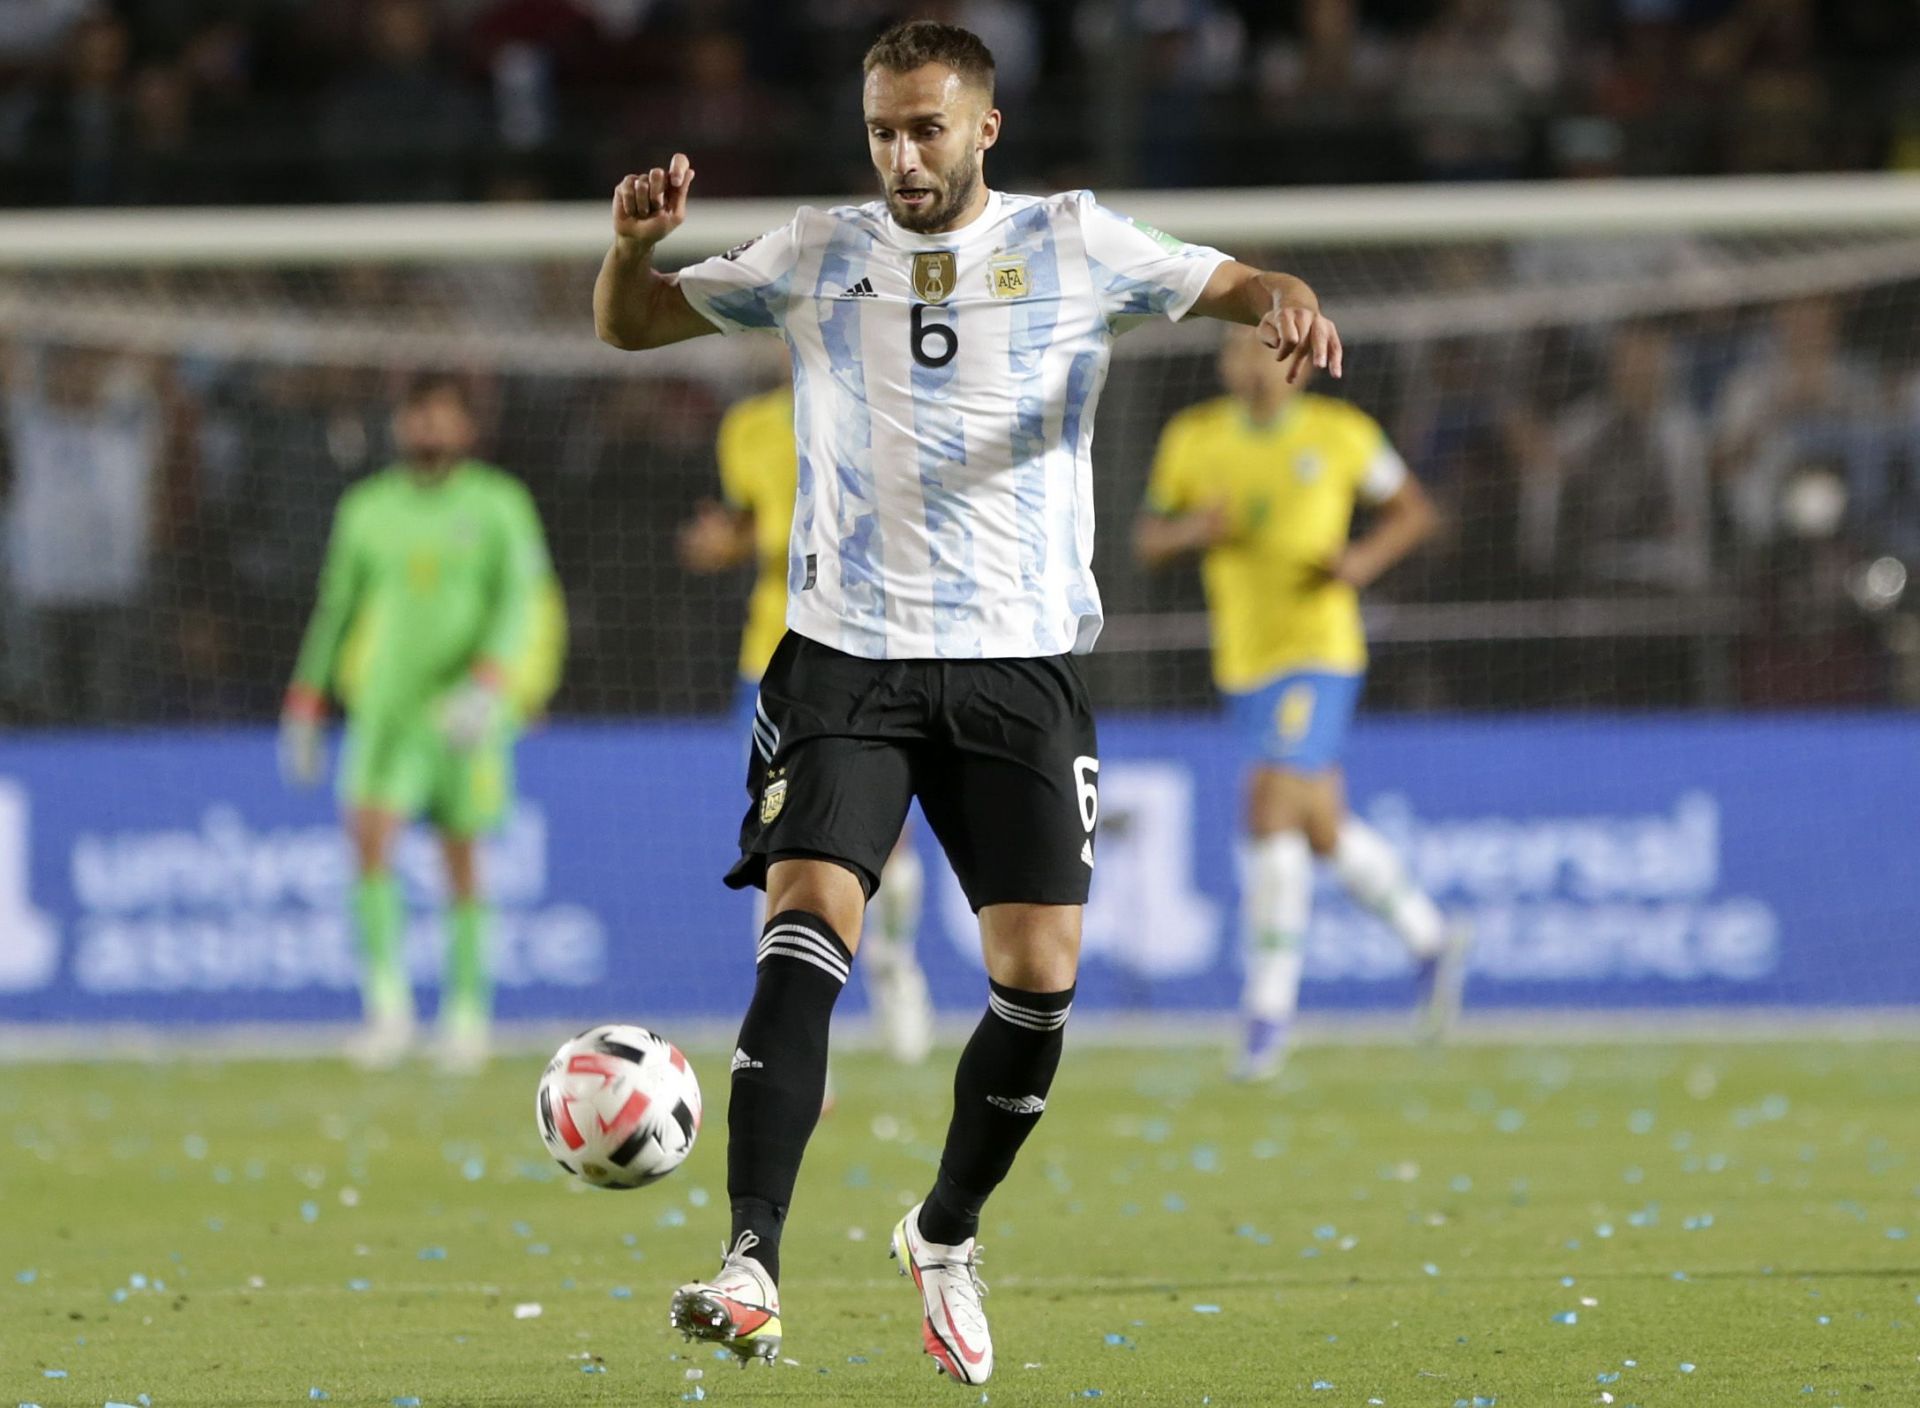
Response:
column 999, row 1091
column 780, row 1072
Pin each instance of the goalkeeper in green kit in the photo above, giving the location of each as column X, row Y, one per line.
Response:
column 439, row 627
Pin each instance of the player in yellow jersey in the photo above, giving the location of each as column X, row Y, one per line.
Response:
column 759, row 469
column 1262, row 484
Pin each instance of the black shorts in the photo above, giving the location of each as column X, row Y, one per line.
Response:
column 1000, row 753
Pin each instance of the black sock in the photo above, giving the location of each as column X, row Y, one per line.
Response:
column 780, row 1072
column 999, row 1089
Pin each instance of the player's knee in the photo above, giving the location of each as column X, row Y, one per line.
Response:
column 821, row 887
column 372, row 833
column 1033, row 947
column 1274, row 805
column 1323, row 831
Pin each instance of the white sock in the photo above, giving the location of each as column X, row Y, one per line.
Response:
column 895, row 912
column 1372, row 873
column 1276, row 897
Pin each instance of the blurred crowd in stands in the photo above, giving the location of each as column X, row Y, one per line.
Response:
column 226, row 101
column 1723, row 479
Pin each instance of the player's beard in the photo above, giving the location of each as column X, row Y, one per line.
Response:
column 958, row 181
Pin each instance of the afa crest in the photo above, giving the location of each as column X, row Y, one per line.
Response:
column 934, row 275
column 1007, row 278
column 773, row 797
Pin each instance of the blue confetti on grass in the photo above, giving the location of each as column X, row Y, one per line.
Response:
column 621, row 1292
column 1321, row 1385
column 309, row 1212
column 1206, row 1310
column 856, row 1359
column 1430, row 1269
column 318, row 1395
column 53, row 1373
column 359, row 1283
column 1091, row 1393
column 409, row 1401
column 538, row 1249
column 433, row 1253
column 1567, row 1317
column 593, row 1368
column 672, row 1217
column 27, row 1277
column 1686, row 1368
column 1173, row 1202
column 1612, row 1378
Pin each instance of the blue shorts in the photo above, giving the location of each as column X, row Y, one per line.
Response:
column 1298, row 721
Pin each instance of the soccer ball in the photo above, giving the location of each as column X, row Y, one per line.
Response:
column 619, row 1107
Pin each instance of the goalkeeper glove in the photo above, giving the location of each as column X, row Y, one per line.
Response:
column 303, row 744
column 472, row 711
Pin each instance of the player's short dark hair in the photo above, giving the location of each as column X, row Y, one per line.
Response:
column 913, row 43
column 427, row 385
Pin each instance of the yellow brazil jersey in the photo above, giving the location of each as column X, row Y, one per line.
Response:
column 759, row 469
column 1287, row 490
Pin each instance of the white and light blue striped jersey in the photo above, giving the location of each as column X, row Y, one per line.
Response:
column 944, row 394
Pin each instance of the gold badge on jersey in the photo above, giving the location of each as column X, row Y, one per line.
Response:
column 933, row 276
column 772, row 798
column 1007, row 277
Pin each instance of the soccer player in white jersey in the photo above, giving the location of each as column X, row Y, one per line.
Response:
column 948, row 344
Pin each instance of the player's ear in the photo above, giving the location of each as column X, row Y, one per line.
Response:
column 989, row 128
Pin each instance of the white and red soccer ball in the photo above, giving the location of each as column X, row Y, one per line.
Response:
column 619, row 1107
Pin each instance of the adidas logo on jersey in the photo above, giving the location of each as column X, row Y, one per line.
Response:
column 743, row 1062
column 1086, row 852
column 863, row 289
column 1019, row 1105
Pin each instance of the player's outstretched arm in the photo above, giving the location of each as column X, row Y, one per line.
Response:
column 1284, row 308
column 634, row 305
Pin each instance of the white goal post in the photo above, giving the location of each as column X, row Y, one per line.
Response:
column 1354, row 215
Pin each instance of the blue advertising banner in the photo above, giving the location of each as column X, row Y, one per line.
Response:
column 167, row 876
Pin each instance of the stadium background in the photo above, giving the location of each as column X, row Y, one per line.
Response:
column 1644, row 713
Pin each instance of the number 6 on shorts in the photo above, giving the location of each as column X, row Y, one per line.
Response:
column 1085, row 771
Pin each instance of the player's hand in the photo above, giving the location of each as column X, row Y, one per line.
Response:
column 710, row 540
column 1343, row 568
column 1210, row 527
column 303, row 742
column 650, row 205
column 1303, row 337
column 472, row 711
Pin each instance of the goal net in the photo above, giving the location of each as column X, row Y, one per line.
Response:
column 1637, row 712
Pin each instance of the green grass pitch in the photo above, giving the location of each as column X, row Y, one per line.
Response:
column 1665, row 1224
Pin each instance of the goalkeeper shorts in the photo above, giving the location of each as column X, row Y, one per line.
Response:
column 404, row 765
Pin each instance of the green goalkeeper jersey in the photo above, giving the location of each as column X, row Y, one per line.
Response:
column 425, row 578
